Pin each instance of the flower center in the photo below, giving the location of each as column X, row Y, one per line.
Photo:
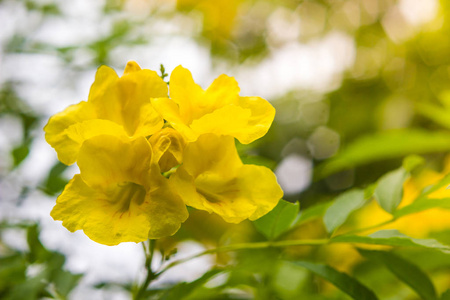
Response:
column 125, row 193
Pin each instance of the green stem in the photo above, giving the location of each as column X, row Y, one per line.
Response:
column 245, row 246
column 367, row 228
column 148, row 266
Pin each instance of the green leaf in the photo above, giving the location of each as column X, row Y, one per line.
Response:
column 392, row 238
column 421, row 205
column 259, row 161
column 436, row 113
column 342, row 207
column 382, row 146
column 37, row 253
column 184, row 289
column 20, row 153
column 389, row 190
column 423, row 202
column 55, row 182
column 65, row 281
column 344, row 282
column 312, row 212
column 445, row 182
column 406, row 271
column 411, row 162
column 277, row 221
column 445, row 295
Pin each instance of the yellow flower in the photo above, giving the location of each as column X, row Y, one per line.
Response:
column 213, row 178
column 418, row 225
column 219, row 110
column 168, row 146
column 120, row 194
column 218, row 16
column 115, row 106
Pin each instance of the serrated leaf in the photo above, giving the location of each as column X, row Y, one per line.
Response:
column 278, row 220
column 405, row 271
column 389, row 190
column 392, row 238
column 344, row 282
column 341, row 209
column 384, row 145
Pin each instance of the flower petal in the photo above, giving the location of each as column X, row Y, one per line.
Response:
column 131, row 67
column 127, row 102
column 168, row 146
column 261, row 117
column 107, row 160
column 213, row 178
column 223, row 91
column 82, row 207
column 171, row 113
column 185, row 92
column 57, row 126
column 165, row 209
column 229, row 120
column 105, row 78
column 211, row 153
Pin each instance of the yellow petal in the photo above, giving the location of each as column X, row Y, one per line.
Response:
column 261, row 117
column 166, row 210
column 171, row 113
column 168, row 146
column 229, row 120
column 213, row 178
column 57, row 126
column 82, row 207
column 144, row 122
column 105, row 78
column 74, row 136
column 211, row 153
column 107, row 160
column 120, row 196
column 127, row 102
column 185, row 92
column 107, row 222
column 131, row 67
column 223, row 91
column 259, row 184
column 217, row 110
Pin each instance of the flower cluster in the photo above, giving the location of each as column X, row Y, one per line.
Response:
column 144, row 156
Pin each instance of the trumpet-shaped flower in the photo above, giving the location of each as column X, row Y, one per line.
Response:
column 116, row 106
column 120, row 194
column 219, row 110
column 213, row 178
column 168, row 146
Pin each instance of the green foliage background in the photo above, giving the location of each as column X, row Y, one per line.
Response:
column 386, row 118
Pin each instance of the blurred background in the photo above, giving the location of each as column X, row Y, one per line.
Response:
column 357, row 85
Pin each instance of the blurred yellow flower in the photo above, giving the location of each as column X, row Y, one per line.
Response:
column 116, row 106
column 219, row 110
column 418, row 225
column 218, row 16
column 120, row 194
column 213, row 178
